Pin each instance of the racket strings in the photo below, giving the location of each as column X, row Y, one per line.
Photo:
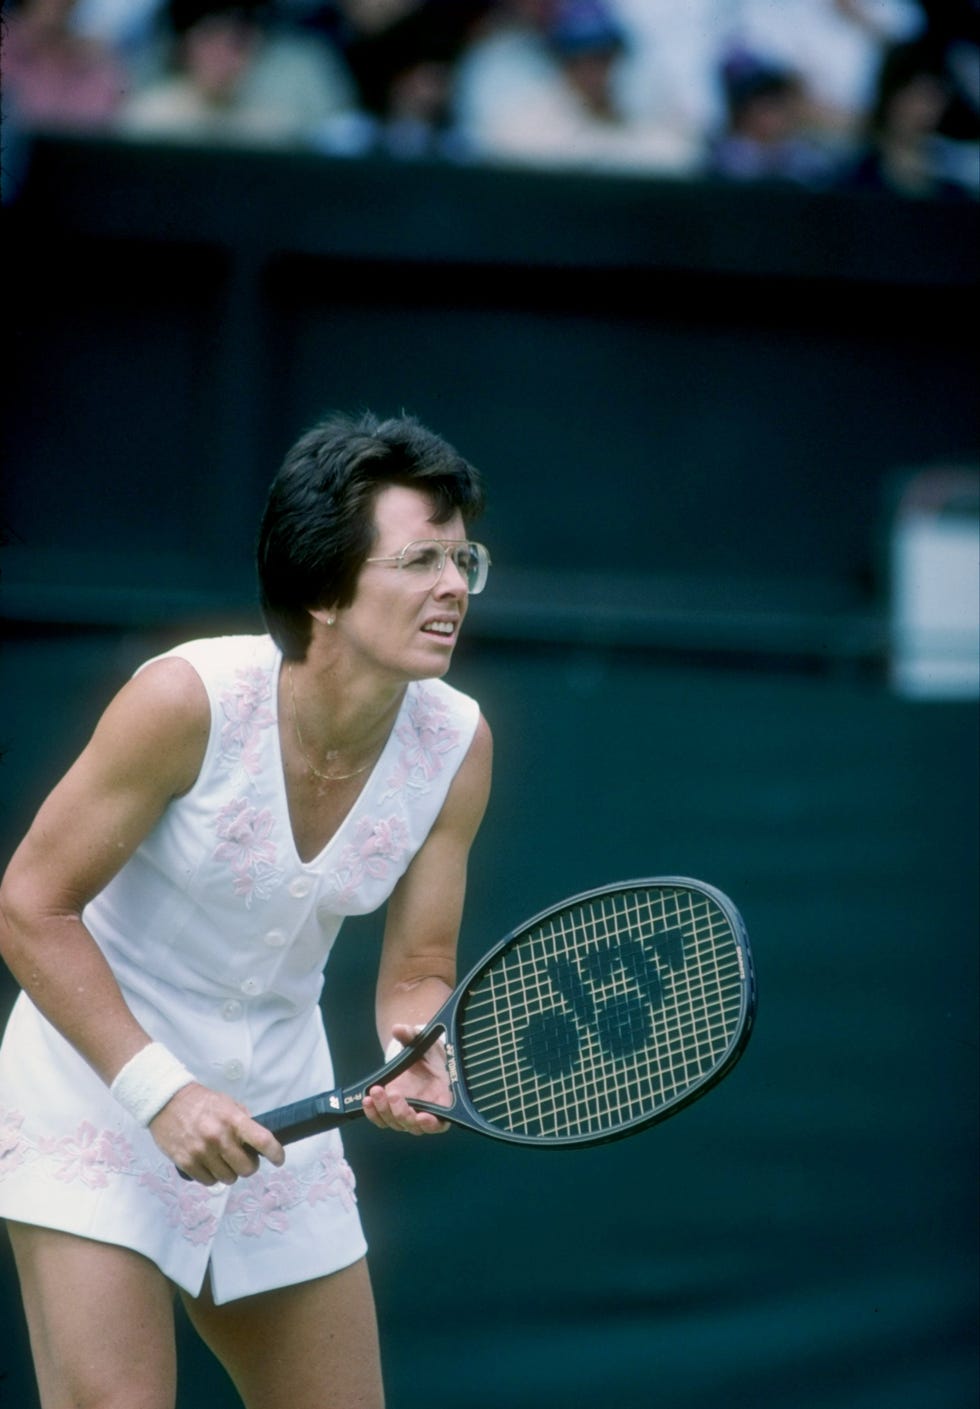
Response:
column 603, row 1014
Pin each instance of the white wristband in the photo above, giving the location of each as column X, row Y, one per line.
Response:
column 148, row 1081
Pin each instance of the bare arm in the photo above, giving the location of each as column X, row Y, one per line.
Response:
column 418, row 960
column 146, row 750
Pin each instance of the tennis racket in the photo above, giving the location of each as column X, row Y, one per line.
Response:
column 598, row 1017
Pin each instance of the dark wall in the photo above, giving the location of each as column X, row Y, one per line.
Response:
column 689, row 404
column 731, row 375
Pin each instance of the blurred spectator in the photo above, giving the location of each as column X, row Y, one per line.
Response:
column 402, row 56
column 765, row 136
column 906, row 152
column 236, row 80
column 508, row 59
column 953, row 27
column 669, row 71
column 132, row 28
column 540, row 87
column 834, row 46
column 672, row 71
column 53, row 78
column 769, row 90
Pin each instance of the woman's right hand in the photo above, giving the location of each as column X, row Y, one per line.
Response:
column 212, row 1138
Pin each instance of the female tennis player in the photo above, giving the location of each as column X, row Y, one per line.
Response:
column 168, row 918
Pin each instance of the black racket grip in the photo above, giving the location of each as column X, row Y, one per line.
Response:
column 307, row 1117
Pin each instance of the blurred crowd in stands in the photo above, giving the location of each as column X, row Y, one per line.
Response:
column 879, row 95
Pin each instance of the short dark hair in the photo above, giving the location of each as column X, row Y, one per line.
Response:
column 318, row 525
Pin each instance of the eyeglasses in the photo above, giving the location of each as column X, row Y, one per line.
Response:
column 424, row 562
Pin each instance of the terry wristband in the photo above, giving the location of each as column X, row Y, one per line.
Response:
column 148, row 1081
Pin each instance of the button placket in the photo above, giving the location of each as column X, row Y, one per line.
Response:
column 274, row 941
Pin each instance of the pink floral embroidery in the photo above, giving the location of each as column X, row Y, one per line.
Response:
column 262, row 1204
column 425, row 736
column 246, row 847
column 89, row 1155
column 100, row 1158
column 13, row 1145
column 336, row 1181
column 186, row 1204
column 247, row 711
column 379, row 844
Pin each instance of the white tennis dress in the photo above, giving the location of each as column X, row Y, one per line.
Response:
column 218, row 934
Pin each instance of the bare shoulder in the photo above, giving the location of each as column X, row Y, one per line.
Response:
column 146, row 750
column 172, row 686
column 158, row 723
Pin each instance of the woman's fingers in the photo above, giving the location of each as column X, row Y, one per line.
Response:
column 390, row 1111
column 213, row 1139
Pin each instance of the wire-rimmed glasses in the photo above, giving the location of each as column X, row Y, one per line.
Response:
column 424, row 561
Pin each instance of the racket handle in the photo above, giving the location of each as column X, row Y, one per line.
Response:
column 308, row 1117
column 329, row 1109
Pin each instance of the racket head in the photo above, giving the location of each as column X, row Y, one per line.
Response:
column 602, row 1015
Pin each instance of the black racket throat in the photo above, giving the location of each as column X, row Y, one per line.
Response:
column 329, row 1109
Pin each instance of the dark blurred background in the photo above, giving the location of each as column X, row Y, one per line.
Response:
column 721, row 382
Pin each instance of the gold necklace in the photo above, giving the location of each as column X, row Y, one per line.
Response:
column 324, row 777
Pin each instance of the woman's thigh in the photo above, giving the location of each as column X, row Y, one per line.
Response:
column 100, row 1320
column 300, row 1347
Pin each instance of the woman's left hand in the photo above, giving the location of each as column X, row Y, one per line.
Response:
column 427, row 1079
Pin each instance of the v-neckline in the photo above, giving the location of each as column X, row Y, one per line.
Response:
column 280, row 771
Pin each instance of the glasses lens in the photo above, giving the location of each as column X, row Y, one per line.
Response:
column 472, row 561
column 425, row 561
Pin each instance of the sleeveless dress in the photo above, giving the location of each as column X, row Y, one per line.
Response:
column 218, row 935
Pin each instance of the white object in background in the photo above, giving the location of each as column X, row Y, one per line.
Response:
column 935, row 587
